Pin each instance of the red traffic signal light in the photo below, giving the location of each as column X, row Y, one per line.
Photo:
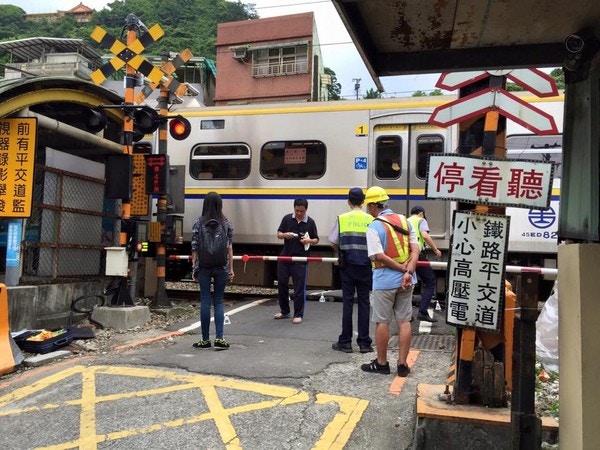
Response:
column 180, row 128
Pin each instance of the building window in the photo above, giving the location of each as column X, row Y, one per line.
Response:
column 277, row 61
column 299, row 160
column 220, row 161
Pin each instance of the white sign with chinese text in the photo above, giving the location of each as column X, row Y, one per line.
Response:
column 486, row 181
column 476, row 270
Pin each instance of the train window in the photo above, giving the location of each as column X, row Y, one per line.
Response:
column 388, row 152
column 426, row 145
column 536, row 148
column 220, row 161
column 293, row 160
column 212, row 124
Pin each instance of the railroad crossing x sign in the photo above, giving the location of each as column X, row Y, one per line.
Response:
column 168, row 68
column 491, row 99
column 533, row 80
column 495, row 99
column 127, row 54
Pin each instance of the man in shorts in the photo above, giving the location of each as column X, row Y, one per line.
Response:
column 393, row 249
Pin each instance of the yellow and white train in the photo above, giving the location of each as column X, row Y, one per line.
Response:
column 261, row 157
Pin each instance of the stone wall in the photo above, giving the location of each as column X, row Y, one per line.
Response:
column 47, row 306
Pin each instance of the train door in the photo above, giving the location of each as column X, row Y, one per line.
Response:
column 400, row 148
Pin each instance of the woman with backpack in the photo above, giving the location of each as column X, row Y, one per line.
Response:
column 212, row 260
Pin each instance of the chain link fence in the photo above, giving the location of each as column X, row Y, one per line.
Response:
column 70, row 225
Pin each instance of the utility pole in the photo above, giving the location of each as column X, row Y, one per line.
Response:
column 356, row 82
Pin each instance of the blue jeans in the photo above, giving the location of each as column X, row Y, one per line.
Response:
column 218, row 275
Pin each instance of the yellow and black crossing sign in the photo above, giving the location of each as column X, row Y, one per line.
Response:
column 127, row 54
column 168, row 68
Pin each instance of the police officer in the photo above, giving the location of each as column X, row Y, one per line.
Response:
column 349, row 238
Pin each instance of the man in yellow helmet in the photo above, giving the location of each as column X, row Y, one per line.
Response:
column 393, row 249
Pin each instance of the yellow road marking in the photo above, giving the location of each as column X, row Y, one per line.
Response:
column 335, row 434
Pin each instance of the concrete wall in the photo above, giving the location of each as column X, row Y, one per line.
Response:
column 47, row 306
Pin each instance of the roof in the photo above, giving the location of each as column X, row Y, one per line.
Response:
column 25, row 50
column 416, row 36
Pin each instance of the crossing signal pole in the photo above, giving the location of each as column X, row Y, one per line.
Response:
column 128, row 56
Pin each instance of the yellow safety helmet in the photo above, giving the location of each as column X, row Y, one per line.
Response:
column 375, row 194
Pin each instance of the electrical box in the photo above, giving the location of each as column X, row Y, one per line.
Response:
column 174, row 226
column 117, row 262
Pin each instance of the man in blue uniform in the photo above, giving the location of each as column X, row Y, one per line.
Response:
column 349, row 238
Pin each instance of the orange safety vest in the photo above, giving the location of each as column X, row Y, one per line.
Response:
column 397, row 246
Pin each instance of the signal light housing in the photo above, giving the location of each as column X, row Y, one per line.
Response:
column 180, row 128
column 146, row 120
column 95, row 120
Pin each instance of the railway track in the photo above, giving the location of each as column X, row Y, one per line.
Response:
column 187, row 291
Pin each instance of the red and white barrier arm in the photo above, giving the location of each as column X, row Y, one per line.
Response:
column 439, row 265
column 246, row 258
column 511, row 269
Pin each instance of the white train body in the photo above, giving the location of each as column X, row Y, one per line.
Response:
column 261, row 157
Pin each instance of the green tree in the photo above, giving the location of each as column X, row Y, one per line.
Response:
column 419, row 94
column 436, row 92
column 559, row 77
column 334, row 90
column 12, row 22
column 372, row 93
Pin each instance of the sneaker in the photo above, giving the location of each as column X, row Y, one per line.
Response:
column 403, row 370
column 221, row 344
column 366, row 349
column 375, row 367
column 341, row 347
column 202, row 344
column 425, row 318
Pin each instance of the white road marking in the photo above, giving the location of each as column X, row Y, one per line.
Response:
column 196, row 325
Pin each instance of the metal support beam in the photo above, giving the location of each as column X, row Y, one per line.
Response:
column 71, row 131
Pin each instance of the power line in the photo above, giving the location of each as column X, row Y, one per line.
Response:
column 289, row 4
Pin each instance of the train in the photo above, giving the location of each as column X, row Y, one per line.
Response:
column 260, row 157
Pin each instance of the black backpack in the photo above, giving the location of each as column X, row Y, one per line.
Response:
column 212, row 244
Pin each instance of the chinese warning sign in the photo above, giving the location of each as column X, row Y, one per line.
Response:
column 490, row 181
column 17, row 157
column 476, row 270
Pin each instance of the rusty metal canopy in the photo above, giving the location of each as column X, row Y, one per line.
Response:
column 30, row 49
column 397, row 37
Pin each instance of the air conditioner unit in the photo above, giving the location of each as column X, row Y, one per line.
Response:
column 239, row 53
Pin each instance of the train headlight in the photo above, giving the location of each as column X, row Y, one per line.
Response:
column 179, row 128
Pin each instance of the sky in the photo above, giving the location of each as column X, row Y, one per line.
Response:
column 337, row 49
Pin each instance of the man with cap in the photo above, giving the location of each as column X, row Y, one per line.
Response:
column 393, row 249
column 425, row 273
column 349, row 238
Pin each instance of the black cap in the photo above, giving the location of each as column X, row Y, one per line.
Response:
column 417, row 209
column 356, row 194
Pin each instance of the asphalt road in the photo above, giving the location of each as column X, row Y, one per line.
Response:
column 279, row 386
